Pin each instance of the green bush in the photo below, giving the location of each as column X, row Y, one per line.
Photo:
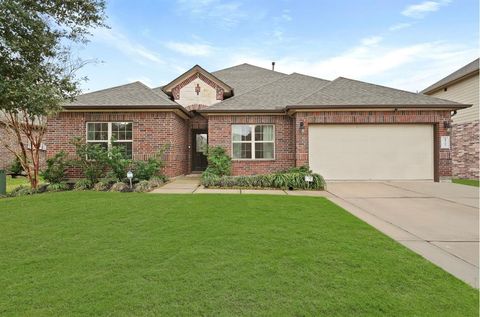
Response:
column 82, row 184
column 16, row 167
column 143, row 187
column 120, row 187
column 58, row 187
column 145, row 170
column 219, row 163
column 102, row 186
column 118, row 164
column 54, row 173
column 92, row 159
column 290, row 179
column 22, row 190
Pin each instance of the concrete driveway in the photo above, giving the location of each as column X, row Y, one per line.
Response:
column 439, row 221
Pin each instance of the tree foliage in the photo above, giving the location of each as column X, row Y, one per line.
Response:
column 37, row 71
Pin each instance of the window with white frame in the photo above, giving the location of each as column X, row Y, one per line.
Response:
column 253, row 142
column 108, row 134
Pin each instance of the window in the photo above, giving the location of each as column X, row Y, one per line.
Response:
column 108, row 134
column 255, row 142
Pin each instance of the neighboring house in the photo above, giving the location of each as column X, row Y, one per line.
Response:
column 462, row 86
column 267, row 121
column 7, row 158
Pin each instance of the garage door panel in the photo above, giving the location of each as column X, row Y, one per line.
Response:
column 371, row 151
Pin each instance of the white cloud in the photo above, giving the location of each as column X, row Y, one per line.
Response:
column 138, row 52
column 190, row 49
column 404, row 67
column 226, row 14
column 399, row 26
column 372, row 40
column 421, row 9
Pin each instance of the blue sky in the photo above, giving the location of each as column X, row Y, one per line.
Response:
column 402, row 44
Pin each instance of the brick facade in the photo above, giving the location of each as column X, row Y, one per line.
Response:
column 220, row 134
column 436, row 118
column 151, row 130
column 465, row 150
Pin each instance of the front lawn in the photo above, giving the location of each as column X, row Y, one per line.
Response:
column 92, row 253
column 469, row 182
column 12, row 183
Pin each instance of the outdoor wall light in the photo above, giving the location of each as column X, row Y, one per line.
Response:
column 302, row 126
column 130, row 176
column 448, row 126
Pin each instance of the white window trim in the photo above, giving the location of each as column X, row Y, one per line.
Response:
column 252, row 141
column 109, row 134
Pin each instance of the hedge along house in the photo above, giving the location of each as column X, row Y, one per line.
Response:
column 268, row 121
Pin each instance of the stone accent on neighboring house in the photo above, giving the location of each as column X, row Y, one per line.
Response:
column 380, row 117
column 465, row 149
column 220, row 134
column 151, row 130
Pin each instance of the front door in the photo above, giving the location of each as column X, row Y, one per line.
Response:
column 199, row 149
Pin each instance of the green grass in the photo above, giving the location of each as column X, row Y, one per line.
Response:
column 15, row 182
column 91, row 253
column 469, row 182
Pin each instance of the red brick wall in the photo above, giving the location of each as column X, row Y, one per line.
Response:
column 220, row 134
column 360, row 117
column 151, row 130
column 465, row 150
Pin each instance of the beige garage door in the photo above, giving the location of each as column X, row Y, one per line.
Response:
column 371, row 151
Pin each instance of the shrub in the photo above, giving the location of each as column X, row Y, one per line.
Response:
column 120, row 187
column 58, row 187
column 157, row 181
column 219, row 163
column 16, row 167
column 102, row 186
column 56, row 166
column 143, row 187
column 92, row 159
column 118, row 164
column 145, row 170
column 22, row 191
column 283, row 180
column 82, row 184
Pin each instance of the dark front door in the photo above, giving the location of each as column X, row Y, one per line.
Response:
column 199, row 148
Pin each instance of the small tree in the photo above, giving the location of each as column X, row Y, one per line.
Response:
column 37, row 73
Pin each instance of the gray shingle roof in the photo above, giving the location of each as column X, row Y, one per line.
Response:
column 464, row 71
column 132, row 95
column 343, row 92
column 273, row 96
column 246, row 77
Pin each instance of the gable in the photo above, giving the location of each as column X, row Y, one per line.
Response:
column 197, row 86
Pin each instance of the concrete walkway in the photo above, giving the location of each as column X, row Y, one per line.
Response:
column 436, row 220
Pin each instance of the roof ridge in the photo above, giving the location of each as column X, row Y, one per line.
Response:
column 249, row 91
column 462, row 72
column 251, row 65
column 109, row 88
column 314, row 77
column 317, row 91
column 396, row 89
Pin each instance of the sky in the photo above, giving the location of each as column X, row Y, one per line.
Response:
column 402, row 44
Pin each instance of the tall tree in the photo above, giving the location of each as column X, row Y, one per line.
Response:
column 37, row 73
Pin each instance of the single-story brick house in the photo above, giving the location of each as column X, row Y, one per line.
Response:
column 268, row 121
